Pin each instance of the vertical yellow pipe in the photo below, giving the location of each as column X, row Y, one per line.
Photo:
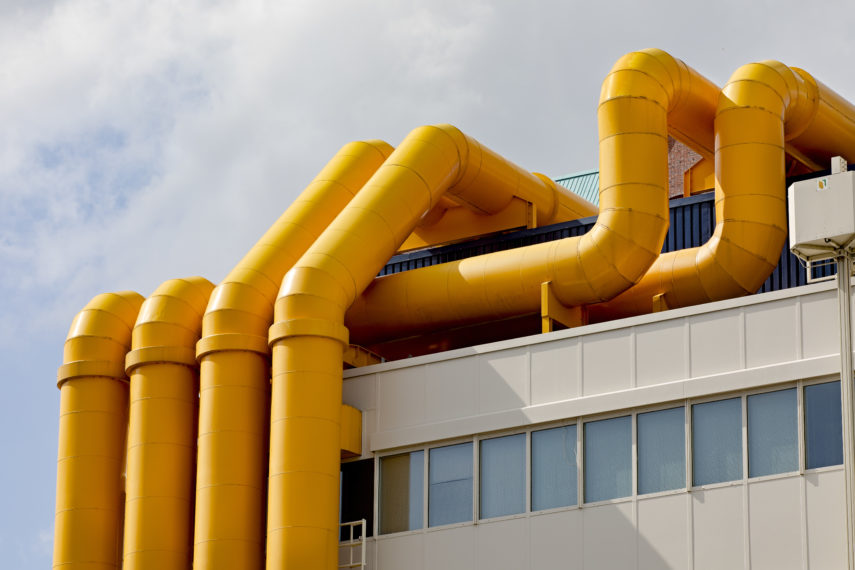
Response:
column 234, row 367
column 161, row 456
column 92, row 428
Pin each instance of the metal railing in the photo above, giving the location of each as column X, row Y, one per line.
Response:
column 351, row 552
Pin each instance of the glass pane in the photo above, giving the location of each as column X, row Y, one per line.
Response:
column 661, row 451
column 772, row 433
column 502, row 476
column 717, row 441
column 402, row 492
column 608, row 459
column 450, row 492
column 823, row 431
column 553, row 468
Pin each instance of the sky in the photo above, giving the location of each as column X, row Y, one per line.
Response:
column 145, row 140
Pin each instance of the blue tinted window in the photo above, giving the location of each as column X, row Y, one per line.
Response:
column 661, row 450
column 502, row 472
column 717, row 441
column 823, row 431
column 402, row 492
column 450, row 491
column 772, row 433
column 608, row 459
column 553, row 468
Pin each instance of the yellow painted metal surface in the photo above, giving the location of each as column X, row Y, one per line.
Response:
column 92, row 428
column 161, row 455
column 234, row 367
column 763, row 108
column 351, row 431
column 647, row 95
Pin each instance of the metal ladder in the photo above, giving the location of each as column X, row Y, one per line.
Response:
column 354, row 546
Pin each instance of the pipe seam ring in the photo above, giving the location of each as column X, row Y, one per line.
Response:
column 229, row 342
column 160, row 354
column 103, row 368
column 308, row 327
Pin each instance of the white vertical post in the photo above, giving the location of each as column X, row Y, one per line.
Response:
column 844, row 299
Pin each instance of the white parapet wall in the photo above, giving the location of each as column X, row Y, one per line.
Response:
column 729, row 348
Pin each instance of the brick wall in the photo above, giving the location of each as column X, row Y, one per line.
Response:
column 680, row 159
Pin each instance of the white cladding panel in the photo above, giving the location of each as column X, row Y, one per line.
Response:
column 503, row 545
column 556, row 540
column 775, row 518
column 401, row 398
column 452, row 389
column 609, row 535
column 606, row 362
column 503, row 380
column 650, row 342
column 555, row 371
column 401, row 551
column 716, row 341
column 452, row 549
column 771, row 333
column 826, row 519
column 818, row 317
column 718, row 528
column 663, row 532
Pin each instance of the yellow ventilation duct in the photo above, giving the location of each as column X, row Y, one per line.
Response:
column 646, row 95
column 234, row 367
column 92, row 427
column 161, row 456
column 763, row 107
column 308, row 336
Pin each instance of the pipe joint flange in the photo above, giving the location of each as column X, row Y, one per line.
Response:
column 103, row 368
column 309, row 327
column 229, row 342
column 160, row 355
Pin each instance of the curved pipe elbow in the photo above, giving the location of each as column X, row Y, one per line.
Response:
column 100, row 336
column 240, row 309
column 169, row 324
column 761, row 108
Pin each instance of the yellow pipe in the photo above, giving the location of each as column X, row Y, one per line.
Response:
column 763, row 108
column 234, row 367
column 161, row 455
column 92, row 428
column 308, row 337
column 646, row 95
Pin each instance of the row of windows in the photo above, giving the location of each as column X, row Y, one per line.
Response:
column 543, row 466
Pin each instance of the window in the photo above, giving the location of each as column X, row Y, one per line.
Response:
column 503, row 476
column 450, row 491
column 717, row 441
column 553, row 468
column 772, row 433
column 661, row 450
column 402, row 492
column 823, row 427
column 608, row 459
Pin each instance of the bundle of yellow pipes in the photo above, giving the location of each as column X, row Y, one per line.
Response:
column 186, row 417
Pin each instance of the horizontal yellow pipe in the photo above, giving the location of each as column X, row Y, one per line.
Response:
column 762, row 107
column 646, row 94
column 92, row 428
column 234, row 366
column 161, row 456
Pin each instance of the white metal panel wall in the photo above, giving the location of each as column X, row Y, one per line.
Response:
column 729, row 345
column 785, row 522
column 764, row 524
